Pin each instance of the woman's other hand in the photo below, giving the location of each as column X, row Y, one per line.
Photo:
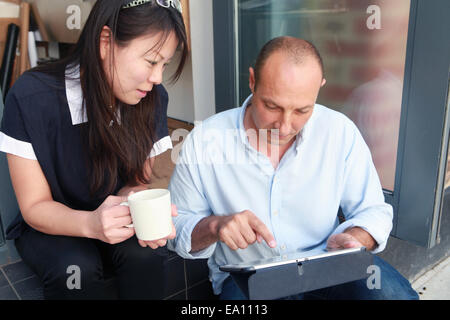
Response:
column 161, row 242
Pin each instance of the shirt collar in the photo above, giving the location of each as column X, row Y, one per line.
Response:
column 300, row 138
column 74, row 95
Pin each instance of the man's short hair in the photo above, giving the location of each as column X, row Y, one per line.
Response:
column 296, row 49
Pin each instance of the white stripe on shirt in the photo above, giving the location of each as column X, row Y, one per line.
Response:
column 161, row 146
column 16, row 147
column 25, row 149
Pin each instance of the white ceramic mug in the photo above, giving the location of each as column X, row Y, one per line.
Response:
column 151, row 213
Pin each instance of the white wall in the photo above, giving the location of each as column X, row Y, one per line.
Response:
column 202, row 43
column 181, row 94
column 192, row 98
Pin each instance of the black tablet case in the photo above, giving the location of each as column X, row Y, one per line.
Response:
column 290, row 279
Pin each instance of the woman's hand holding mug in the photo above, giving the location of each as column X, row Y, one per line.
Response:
column 108, row 221
column 151, row 213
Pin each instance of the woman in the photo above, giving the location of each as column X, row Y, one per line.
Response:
column 80, row 135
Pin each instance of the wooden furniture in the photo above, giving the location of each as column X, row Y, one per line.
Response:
column 186, row 18
column 23, row 22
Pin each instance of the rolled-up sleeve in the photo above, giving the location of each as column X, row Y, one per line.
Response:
column 362, row 200
column 188, row 195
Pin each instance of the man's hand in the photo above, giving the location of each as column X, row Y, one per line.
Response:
column 351, row 238
column 242, row 229
column 342, row 241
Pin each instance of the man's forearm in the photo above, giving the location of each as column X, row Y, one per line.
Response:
column 204, row 234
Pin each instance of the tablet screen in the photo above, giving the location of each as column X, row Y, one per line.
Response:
column 286, row 259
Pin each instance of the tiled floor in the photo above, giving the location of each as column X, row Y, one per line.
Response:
column 189, row 280
column 18, row 282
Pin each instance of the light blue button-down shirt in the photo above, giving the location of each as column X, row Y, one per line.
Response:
column 329, row 166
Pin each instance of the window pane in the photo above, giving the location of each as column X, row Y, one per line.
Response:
column 363, row 45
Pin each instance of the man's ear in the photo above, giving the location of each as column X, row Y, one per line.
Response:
column 105, row 42
column 323, row 82
column 251, row 79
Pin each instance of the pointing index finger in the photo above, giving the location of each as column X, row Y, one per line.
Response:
column 262, row 232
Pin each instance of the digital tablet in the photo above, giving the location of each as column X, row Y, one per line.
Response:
column 294, row 257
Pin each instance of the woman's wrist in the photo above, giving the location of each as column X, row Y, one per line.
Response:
column 88, row 224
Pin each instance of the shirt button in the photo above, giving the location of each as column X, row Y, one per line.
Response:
column 283, row 247
column 284, row 257
column 275, row 213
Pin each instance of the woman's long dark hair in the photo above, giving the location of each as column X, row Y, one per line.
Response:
column 120, row 150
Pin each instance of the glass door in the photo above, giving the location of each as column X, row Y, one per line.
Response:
column 384, row 70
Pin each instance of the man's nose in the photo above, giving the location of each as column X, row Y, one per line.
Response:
column 284, row 125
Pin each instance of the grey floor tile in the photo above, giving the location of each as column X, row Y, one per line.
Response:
column 201, row 291
column 3, row 281
column 179, row 296
column 17, row 271
column 197, row 271
column 30, row 289
column 7, row 293
column 175, row 269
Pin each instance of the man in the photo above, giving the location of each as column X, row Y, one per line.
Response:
column 268, row 178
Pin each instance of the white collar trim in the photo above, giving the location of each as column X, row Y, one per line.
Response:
column 75, row 95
